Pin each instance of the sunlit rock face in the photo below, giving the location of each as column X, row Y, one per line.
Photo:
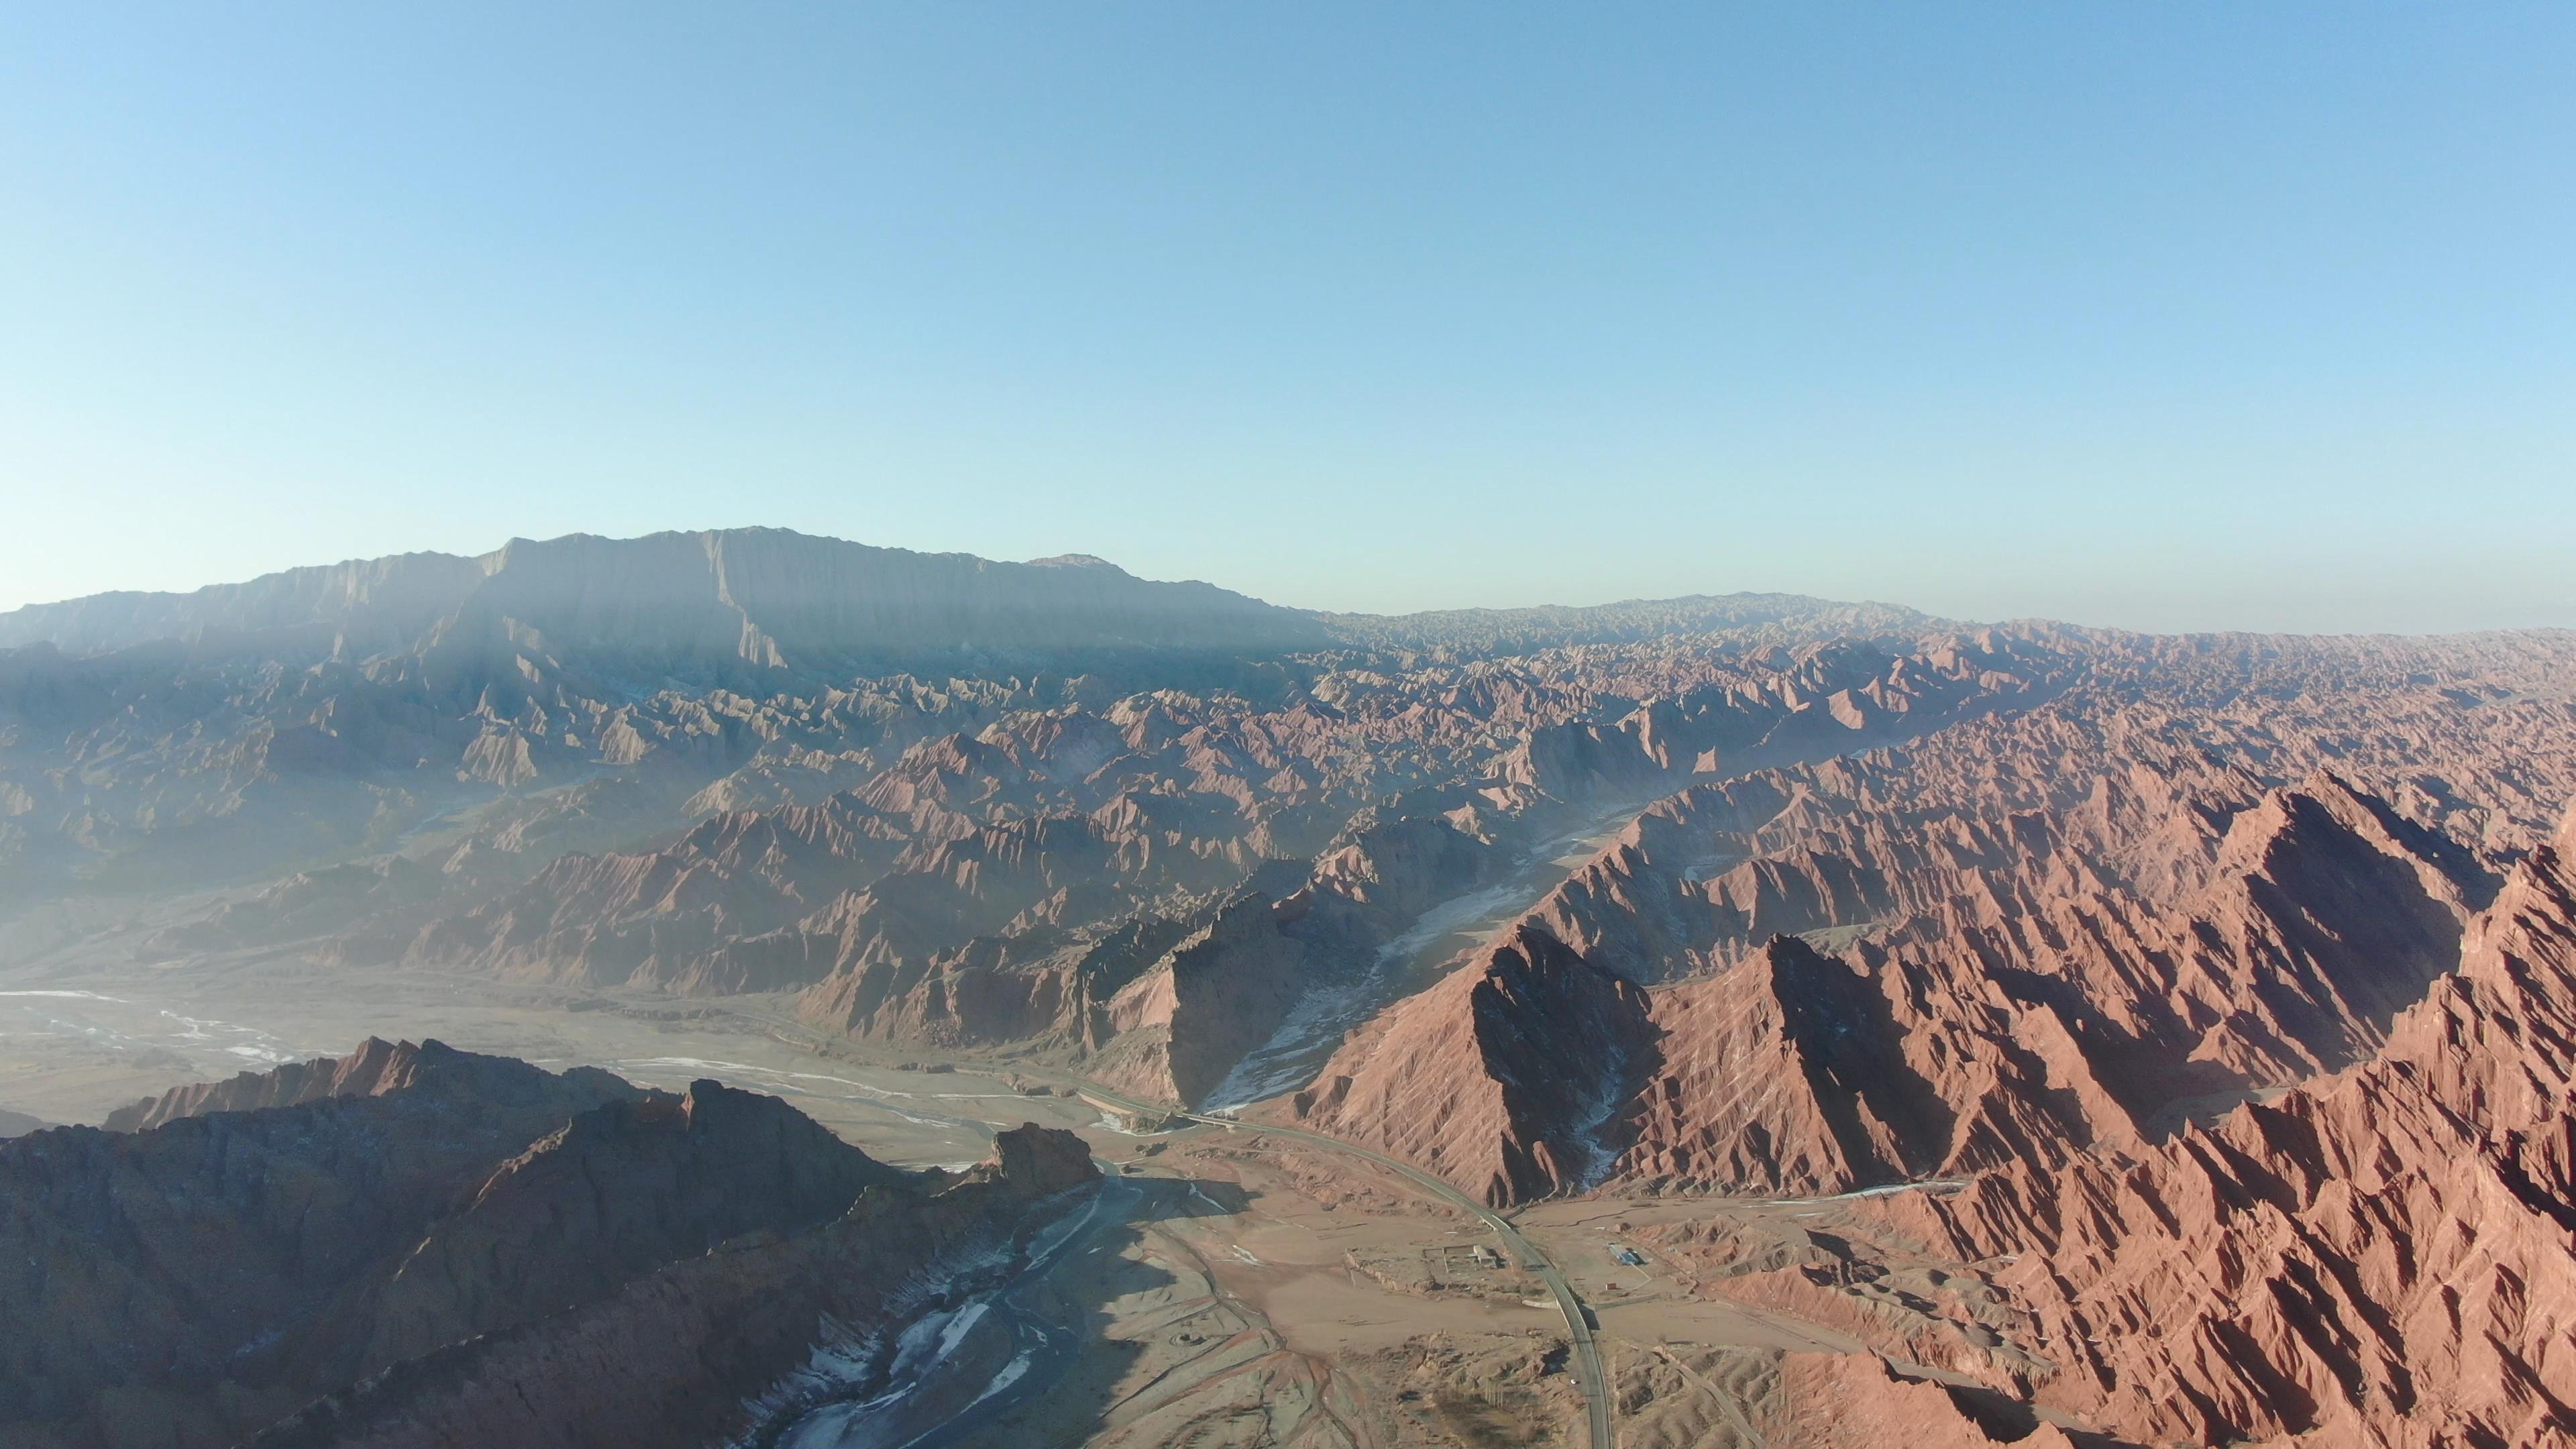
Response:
column 2387, row 1255
column 2033, row 934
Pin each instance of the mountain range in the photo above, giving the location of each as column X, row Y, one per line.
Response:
column 2187, row 1013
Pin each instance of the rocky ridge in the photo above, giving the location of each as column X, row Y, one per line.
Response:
column 758, row 598
column 956, row 898
column 363, row 1225
column 2021, row 938
column 2386, row 1256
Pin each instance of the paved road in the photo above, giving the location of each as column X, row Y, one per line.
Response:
column 1578, row 1327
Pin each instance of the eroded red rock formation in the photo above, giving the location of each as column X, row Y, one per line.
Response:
column 2020, row 939
column 1471, row 1080
column 2231, row 971
column 2387, row 1256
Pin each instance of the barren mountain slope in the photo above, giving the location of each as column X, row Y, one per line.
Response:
column 755, row 597
column 313, row 715
column 1004, row 885
column 381, row 1219
column 2213, row 992
column 2076, row 923
column 2387, row 1256
column 1479, row 1078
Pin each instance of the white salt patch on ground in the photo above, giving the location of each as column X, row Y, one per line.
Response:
column 70, row 996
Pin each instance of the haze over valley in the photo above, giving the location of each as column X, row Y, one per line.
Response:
column 1842, row 1002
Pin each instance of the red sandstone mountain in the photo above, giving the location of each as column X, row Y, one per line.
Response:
column 2386, row 1256
column 2024, row 938
column 992, row 886
column 1795, row 1071
column 2053, row 968
column 1471, row 1079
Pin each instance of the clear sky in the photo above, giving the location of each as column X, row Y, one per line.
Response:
column 2167, row 315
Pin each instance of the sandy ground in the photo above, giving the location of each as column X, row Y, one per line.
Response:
column 1660, row 1301
column 1691, row 1335
column 1280, row 1298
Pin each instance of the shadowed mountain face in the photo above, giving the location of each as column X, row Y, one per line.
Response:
column 358, row 1230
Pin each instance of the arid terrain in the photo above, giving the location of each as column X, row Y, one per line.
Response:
column 1745, row 1021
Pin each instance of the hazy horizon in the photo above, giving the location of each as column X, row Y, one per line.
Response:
column 2164, row 320
column 1557, row 603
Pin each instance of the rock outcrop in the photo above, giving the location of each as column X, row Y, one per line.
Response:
column 725, row 1347
column 1470, row 1078
column 1178, row 1028
column 616, row 1192
column 351, row 1225
column 1857, row 1401
column 377, row 1067
column 2387, row 1256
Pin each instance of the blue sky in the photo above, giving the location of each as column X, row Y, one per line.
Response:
column 2173, row 316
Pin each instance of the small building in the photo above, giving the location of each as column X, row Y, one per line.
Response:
column 1627, row 1257
column 1485, row 1257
